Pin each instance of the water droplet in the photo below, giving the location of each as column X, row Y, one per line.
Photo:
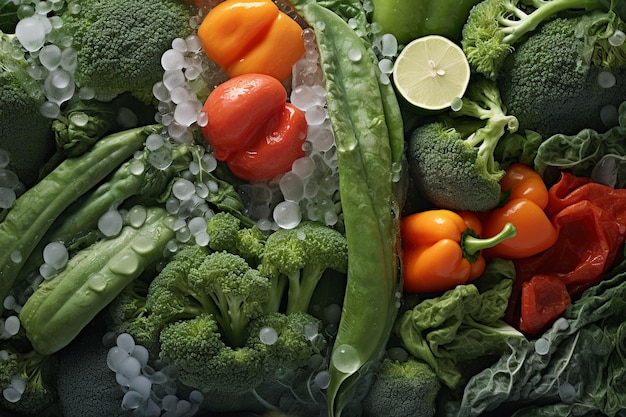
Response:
column 137, row 216
column 125, row 264
column 606, row 79
column 55, row 254
column 542, row 346
column 355, row 54
column 268, row 335
column 111, row 223
column 346, row 359
column 617, row 38
column 31, row 33
column 97, row 282
column 322, row 379
column 567, row 393
column 287, row 214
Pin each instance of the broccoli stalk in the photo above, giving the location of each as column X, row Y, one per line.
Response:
column 451, row 159
column 483, row 102
column 302, row 254
column 494, row 26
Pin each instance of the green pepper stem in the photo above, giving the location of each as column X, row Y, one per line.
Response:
column 472, row 245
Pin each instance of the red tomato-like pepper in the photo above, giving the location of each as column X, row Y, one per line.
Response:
column 590, row 220
column 252, row 128
column 528, row 197
column 278, row 146
column 442, row 250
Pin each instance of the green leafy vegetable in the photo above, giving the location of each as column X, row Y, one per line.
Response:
column 462, row 325
column 583, row 152
column 575, row 368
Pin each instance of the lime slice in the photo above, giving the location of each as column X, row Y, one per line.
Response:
column 431, row 72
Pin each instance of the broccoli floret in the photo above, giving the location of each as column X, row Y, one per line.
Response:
column 493, row 27
column 303, row 254
column 228, row 233
column 27, row 380
column 223, row 231
column 451, row 159
column 120, row 43
column 237, row 291
column 204, row 362
column 24, row 132
column 407, row 388
column 546, row 86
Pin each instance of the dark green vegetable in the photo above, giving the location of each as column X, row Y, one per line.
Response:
column 82, row 216
column 362, row 135
column 63, row 305
column 546, row 84
column 461, row 325
column 583, row 152
column 575, row 368
column 411, row 19
column 35, row 211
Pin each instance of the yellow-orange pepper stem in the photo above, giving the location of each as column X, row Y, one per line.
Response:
column 441, row 251
column 251, row 36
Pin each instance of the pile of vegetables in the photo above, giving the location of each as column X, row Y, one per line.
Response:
column 228, row 207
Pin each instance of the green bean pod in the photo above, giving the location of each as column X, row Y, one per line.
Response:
column 63, row 305
column 358, row 110
column 36, row 209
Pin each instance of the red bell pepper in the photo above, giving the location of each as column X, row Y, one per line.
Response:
column 590, row 220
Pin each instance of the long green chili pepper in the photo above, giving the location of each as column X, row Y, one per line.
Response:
column 36, row 209
column 83, row 214
column 63, row 305
column 411, row 19
column 357, row 111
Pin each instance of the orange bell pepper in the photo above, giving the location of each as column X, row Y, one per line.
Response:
column 252, row 128
column 441, row 251
column 251, row 36
column 528, row 197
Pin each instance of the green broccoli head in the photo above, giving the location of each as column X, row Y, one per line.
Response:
column 303, row 254
column 205, row 362
column 27, row 381
column 451, row 159
column 493, row 27
column 24, row 132
column 238, row 292
column 406, row 388
column 275, row 345
column 223, row 229
column 545, row 84
column 120, row 43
